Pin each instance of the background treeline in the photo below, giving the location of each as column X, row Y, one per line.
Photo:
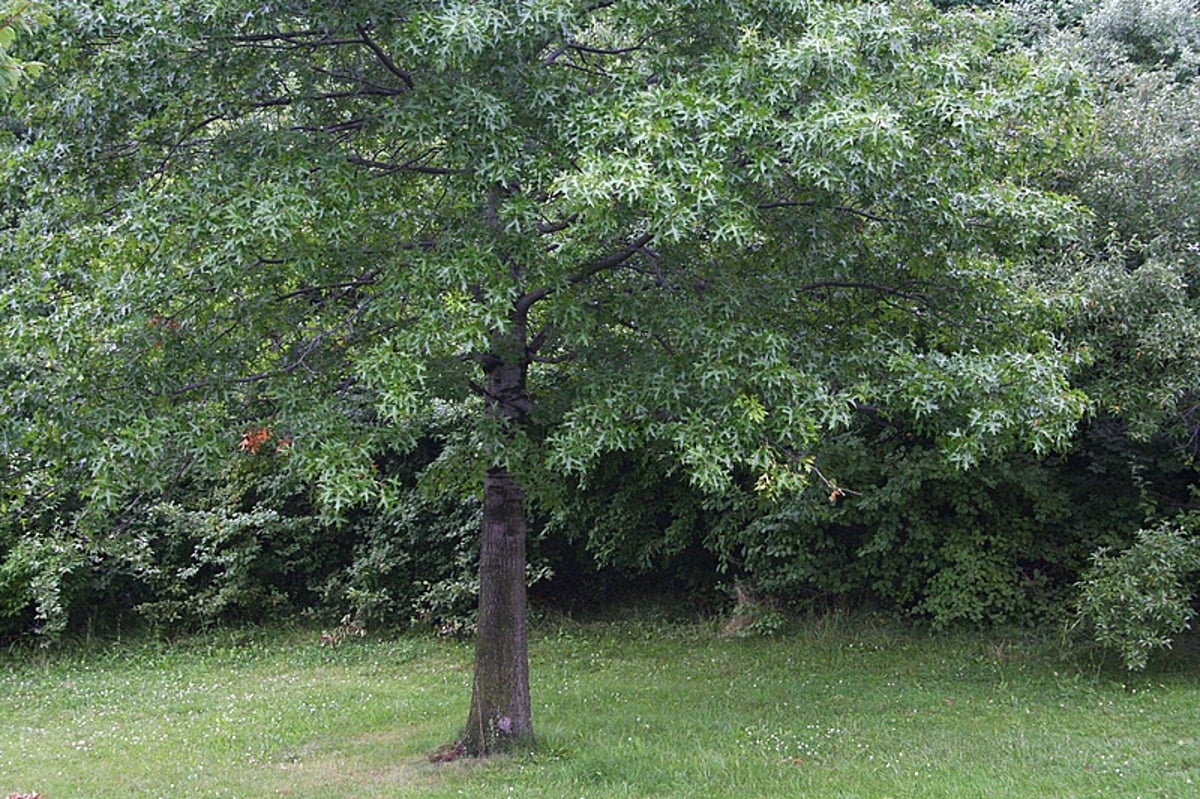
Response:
column 1102, row 531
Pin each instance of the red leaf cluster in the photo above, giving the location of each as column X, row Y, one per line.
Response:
column 252, row 440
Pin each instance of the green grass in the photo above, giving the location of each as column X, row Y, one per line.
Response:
column 631, row 708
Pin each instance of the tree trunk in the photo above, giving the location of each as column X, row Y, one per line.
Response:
column 500, row 718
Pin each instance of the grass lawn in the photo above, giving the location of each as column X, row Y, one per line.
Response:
column 630, row 708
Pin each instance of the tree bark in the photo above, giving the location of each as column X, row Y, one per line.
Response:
column 500, row 718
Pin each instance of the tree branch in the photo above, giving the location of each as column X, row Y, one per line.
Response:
column 530, row 298
column 368, row 90
column 159, row 171
column 408, row 166
column 306, row 38
column 590, row 50
column 555, row 227
column 613, row 260
column 385, row 59
column 845, row 209
column 366, row 280
column 374, row 87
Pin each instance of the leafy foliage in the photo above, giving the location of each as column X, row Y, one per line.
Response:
column 1158, row 33
column 249, row 545
column 1136, row 313
column 242, row 261
column 1136, row 601
column 17, row 18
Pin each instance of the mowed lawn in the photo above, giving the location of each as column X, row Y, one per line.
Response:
column 629, row 708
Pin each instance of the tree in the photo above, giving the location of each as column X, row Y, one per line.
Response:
column 1136, row 311
column 712, row 231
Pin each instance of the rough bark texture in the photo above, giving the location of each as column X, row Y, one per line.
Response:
column 500, row 718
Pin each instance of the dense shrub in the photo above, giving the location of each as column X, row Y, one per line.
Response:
column 414, row 563
column 1138, row 600
column 247, row 541
column 1150, row 33
column 996, row 544
column 1002, row 542
column 44, row 559
column 903, row 528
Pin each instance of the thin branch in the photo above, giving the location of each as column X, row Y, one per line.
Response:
column 366, row 280
column 835, row 491
column 159, row 171
column 613, row 260
column 289, row 36
column 298, row 360
column 339, row 131
column 579, row 47
column 385, row 59
column 586, row 70
column 238, row 381
column 311, row 39
column 368, row 90
column 845, row 209
column 351, row 77
column 408, row 166
column 274, row 102
column 530, row 298
column 654, row 336
column 555, row 227
column 307, row 39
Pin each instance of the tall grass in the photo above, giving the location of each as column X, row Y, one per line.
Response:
column 632, row 708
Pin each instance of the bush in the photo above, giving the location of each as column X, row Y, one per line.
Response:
column 415, row 563
column 1136, row 601
column 998, row 544
column 44, row 559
